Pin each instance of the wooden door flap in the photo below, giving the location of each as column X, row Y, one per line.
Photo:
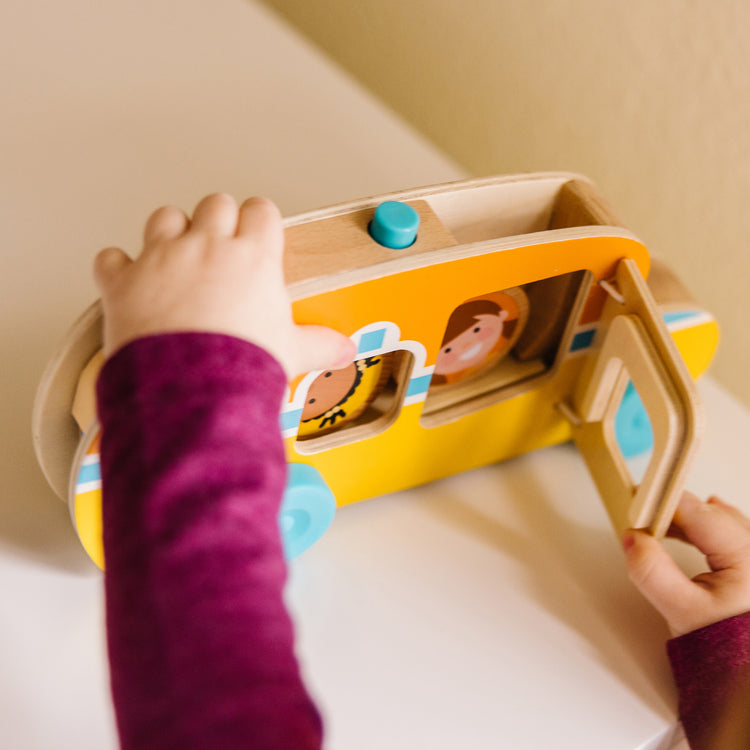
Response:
column 635, row 345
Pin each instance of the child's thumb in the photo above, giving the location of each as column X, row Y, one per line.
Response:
column 656, row 575
column 321, row 348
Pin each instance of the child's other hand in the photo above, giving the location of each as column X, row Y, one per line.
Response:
column 722, row 534
column 219, row 272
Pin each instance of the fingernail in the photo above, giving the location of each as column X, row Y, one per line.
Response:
column 628, row 540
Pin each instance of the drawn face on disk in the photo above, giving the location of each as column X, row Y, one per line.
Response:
column 471, row 347
column 329, row 389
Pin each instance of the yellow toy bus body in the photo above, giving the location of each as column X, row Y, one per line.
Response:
column 564, row 326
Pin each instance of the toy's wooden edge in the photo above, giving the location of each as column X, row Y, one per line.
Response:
column 504, row 206
column 424, row 193
column 55, row 434
column 311, row 288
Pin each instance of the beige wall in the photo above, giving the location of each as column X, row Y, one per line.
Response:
column 651, row 100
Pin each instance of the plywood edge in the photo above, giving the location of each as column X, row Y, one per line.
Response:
column 425, row 193
column 578, row 203
column 309, row 288
column 54, row 431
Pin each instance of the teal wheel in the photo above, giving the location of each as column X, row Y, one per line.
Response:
column 632, row 425
column 307, row 509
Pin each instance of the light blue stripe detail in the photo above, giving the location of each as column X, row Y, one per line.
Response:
column 673, row 317
column 418, row 386
column 371, row 340
column 290, row 419
column 89, row 473
column 582, row 340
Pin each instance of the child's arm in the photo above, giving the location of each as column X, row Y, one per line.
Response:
column 200, row 644
column 709, row 615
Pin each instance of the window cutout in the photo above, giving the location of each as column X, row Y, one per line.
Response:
column 353, row 403
column 499, row 344
column 634, row 434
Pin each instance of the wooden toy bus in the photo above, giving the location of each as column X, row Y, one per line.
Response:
column 491, row 317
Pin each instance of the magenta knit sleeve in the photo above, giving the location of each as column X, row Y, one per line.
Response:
column 201, row 646
column 709, row 664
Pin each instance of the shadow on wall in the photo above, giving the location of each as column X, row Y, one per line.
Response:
column 34, row 522
column 650, row 101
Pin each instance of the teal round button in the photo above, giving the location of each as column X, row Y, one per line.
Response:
column 394, row 225
column 307, row 509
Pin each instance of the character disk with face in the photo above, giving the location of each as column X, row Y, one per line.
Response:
column 480, row 332
column 337, row 397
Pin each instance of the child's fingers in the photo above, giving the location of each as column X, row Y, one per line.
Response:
column 216, row 214
column 736, row 513
column 260, row 222
column 719, row 534
column 321, row 348
column 656, row 575
column 165, row 223
column 108, row 265
column 675, row 532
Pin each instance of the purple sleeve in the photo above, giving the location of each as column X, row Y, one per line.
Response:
column 708, row 665
column 201, row 646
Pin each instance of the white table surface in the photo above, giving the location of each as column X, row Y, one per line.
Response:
column 492, row 609
column 488, row 610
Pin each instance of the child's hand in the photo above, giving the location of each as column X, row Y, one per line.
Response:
column 719, row 531
column 220, row 272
